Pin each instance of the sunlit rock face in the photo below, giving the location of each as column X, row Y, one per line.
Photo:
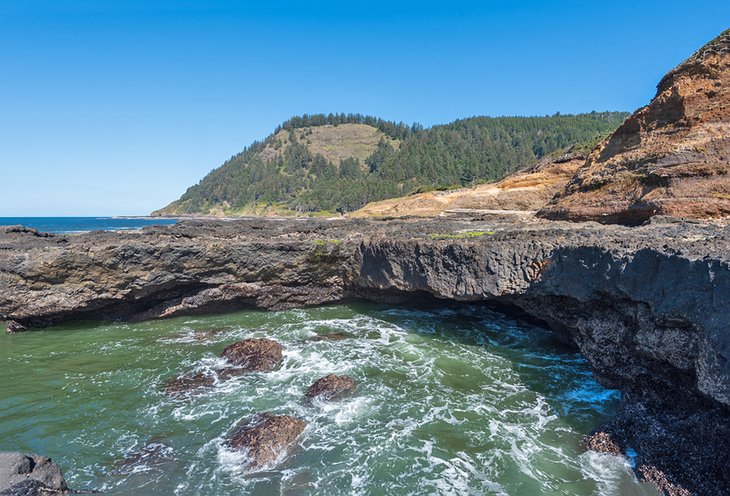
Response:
column 671, row 157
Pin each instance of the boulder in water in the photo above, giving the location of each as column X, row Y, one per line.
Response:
column 26, row 474
column 13, row 327
column 331, row 387
column 189, row 382
column 267, row 438
column 255, row 355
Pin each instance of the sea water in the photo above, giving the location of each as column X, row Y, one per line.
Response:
column 84, row 224
column 453, row 400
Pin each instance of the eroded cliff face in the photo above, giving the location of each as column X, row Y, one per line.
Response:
column 671, row 157
column 525, row 190
column 647, row 306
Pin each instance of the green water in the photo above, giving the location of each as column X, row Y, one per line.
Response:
column 450, row 401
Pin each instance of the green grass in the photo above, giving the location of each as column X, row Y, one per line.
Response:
column 325, row 242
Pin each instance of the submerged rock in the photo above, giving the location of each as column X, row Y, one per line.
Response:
column 13, row 327
column 27, row 474
column 267, row 438
column 331, row 387
column 255, row 355
column 150, row 455
column 331, row 336
column 189, row 382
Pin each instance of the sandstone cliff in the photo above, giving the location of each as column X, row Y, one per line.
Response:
column 671, row 157
column 526, row 190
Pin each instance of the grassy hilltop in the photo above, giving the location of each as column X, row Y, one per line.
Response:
column 321, row 164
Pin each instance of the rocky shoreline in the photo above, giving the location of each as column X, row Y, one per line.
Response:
column 646, row 305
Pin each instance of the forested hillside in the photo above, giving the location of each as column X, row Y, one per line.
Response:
column 340, row 162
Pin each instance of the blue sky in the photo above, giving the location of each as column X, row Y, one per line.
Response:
column 116, row 107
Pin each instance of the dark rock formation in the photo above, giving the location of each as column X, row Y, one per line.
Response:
column 255, row 355
column 22, row 474
column 28, row 230
column 267, row 439
column 249, row 355
column 30, row 487
column 190, row 382
column 647, row 306
column 602, row 442
column 13, row 327
column 331, row 387
column 153, row 454
column 671, row 157
column 331, row 336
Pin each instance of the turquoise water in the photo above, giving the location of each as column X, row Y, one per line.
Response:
column 83, row 224
column 450, row 401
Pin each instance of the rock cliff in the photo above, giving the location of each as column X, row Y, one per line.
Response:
column 525, row 190
column 671, row 157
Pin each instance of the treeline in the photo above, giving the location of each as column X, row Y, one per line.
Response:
column 395, row 130
column 461, row 153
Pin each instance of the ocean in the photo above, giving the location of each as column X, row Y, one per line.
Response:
column 84, row 224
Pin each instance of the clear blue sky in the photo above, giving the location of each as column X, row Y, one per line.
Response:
column 116, row 107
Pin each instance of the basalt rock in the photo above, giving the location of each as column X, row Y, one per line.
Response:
column 267, row 439
column 671, row 157
column 190, row 383
column 24, row 474
column 255, row 355
column 13, row 327
column 602, row 442
column 331, row 387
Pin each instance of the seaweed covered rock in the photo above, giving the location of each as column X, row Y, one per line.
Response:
column 331, row 387
column 188, row 382
column 255, row 355
column 267, row 439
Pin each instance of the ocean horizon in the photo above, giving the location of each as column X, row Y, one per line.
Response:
column 66, row 225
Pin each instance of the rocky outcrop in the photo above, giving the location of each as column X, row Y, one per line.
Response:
column 647, row 306
column 267, row 439
column 248, row 355
column 23, row 474
column 671, row 157
column 255, row 355
column 331, row 387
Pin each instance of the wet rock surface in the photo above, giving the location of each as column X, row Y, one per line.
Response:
column 13, row 327
column 28, row 474
column 190, row 382
column 331, row 387
column 255, row 355
column 150, row 455
column 267, row 439
column 331, row 336
column 601, row 442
